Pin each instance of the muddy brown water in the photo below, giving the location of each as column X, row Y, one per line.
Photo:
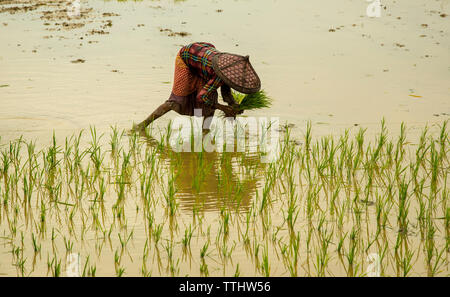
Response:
column 324, row 62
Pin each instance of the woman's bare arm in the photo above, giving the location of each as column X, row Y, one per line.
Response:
column 227, row 96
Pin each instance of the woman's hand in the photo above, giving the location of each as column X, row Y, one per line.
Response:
column 228, row 110
column 235, row 106
column 228, row 98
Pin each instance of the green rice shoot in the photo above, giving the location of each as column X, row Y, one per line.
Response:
column 252, row 101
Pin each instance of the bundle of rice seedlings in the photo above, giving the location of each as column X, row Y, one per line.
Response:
column 256, row 100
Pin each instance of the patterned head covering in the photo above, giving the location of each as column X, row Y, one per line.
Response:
column 237, row 72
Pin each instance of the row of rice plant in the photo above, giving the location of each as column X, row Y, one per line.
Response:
column 126, row 205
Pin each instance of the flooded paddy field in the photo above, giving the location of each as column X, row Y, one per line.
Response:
column 360, row 187
column 129, row 205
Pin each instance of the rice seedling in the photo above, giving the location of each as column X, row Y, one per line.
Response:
column 252, row 101
column 186, row 240
column 237, row 272
column 204, row 268
column 204, row 250
column 56, row 267
column 319, row 210
column 265, row 265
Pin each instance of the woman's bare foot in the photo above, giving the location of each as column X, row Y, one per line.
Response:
column 137, row 128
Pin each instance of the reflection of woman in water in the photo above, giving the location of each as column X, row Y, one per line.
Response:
column 200, row 69
column 209, row 179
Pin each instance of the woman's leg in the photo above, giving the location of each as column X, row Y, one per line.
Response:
column 182, row 86
column 159, row 112
column 207, row 118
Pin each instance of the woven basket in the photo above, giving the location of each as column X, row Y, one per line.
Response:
column 237, row 72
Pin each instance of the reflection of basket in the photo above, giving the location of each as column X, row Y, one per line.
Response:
column 237, row 72
column 256, row 100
